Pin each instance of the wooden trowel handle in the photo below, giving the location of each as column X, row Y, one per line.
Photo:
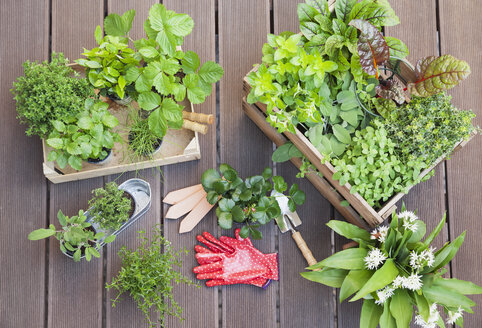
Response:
column 304, row 248
column 198, row 117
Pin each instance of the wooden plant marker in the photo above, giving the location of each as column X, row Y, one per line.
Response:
column 190, row 199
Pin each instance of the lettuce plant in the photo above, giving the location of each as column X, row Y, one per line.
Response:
column 88, row 135
column 247, row 201
column 394, row 271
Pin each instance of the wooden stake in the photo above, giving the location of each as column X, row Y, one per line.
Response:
column 198, row 117
column 194, row 126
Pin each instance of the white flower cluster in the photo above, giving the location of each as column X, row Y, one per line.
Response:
column 384, row 294
column 454, row 316
column 432, row 319
column 412, row 282
column 425, row 258
column 374, row 258
column 380, row 233
column 409, row 219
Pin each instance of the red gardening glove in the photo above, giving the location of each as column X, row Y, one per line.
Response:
column 234, row 261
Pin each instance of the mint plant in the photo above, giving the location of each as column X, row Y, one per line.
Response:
column 110, row 207
column 397, row 274
column 48, row 92
column 148, row 274
column 76, row 236
column 88, row 135
column 249, row 201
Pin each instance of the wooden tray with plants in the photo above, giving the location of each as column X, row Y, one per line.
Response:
column 362, row 124
column 119, row 108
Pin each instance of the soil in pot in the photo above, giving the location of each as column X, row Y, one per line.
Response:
column 124, row 101
column 101, row 161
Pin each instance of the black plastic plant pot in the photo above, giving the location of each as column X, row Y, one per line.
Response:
column 101, row 161
column 123, row 102
column 140, row 191
column 157, row 147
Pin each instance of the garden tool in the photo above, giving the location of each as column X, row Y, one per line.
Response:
column 229, row 261
column 190, row 200
column 288, row 221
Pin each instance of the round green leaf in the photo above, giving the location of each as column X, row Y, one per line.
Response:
column 149, row 100
column 225, row 220
column 209, row 177
column 238, row 214
column 110, row 120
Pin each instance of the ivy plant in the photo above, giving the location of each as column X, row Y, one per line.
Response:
column 88, row 135
column 397, row 275
column 109, row 207
column 48, row 92
column 249, row 201
column 148, row 274
column 76, row 236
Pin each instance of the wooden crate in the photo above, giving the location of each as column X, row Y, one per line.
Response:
column 177, row 146
column 359, row 212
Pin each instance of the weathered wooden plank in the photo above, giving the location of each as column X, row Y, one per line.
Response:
column 460, row 25
column 126, row 312
column 242, row 31
column 70, row 283
column 200, row 305
column 24, row 35
column 294, row 289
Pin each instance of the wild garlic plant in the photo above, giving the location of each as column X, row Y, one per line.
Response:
column 396, row 273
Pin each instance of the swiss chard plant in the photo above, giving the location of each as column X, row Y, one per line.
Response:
column 76, row 236
column 107, row 65
column 397, row 274
column 88, row 135
column 249, row 201
column 109, row 207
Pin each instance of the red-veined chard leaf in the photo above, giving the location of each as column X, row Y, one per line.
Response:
column 343, row 8
column 377, row 12
column 391, row 89
column 397, row 48
column 372, row 47
column 436, row 74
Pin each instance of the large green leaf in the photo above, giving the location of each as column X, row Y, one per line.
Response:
column 190, row 63
column 348, row 259
column 446, row 254
column 397, row 48
column 386, row 319
column 353, row 282
column 380, row 279
column 211, row 72
column 343, row 8
column 327, row 276
column 180, row 24
column 434, row 233
column 157, row 123
column 436, row 74
column 149, row 100
column 377, row 12
column 447, row 297
column 349, row 230
column 370, row 314
column 306, row 13
column 401, row 308
column 422, row 306
column 41, row 234
column 461, row 286
column 172, row 111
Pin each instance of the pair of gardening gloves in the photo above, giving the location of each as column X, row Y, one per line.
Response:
column 230, row 261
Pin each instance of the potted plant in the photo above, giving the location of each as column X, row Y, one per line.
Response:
column 49, row 92
column 107, row 65
column 78, row 238
column 393, row 271
column 142, row 141
column 87, row 136
column 251, row 201
column 147, row 275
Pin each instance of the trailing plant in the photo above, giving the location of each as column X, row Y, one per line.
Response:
column 335, row 36
column 373, row 169
column 148, row 274
column 427, row 128
column 48, row 92
column 76, row 236
column 394, row 271
column 109, row 207
column 289, row 81
column 249, row 201
column 87, row 135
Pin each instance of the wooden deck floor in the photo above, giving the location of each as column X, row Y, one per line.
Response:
column 39, row 287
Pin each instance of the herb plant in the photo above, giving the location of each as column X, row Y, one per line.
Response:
column 76, row 236
column 148, row 274
column 142, row 141
column 109, row 207
column 247, row 201
column 393, row 270
column 48, row 92
column 373, row 169
column 87, row 135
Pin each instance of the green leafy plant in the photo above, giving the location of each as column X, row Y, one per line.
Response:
column 247, row 201
column 88, row 135
column 288, row 151
column 427, row 128
column 109, row 207
column 76, row 237
column 335, row 37
column 142, row 141
column 288, row 82
column 148, row 274
column 48, row 92
column 393, row 270
column 372, row 168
